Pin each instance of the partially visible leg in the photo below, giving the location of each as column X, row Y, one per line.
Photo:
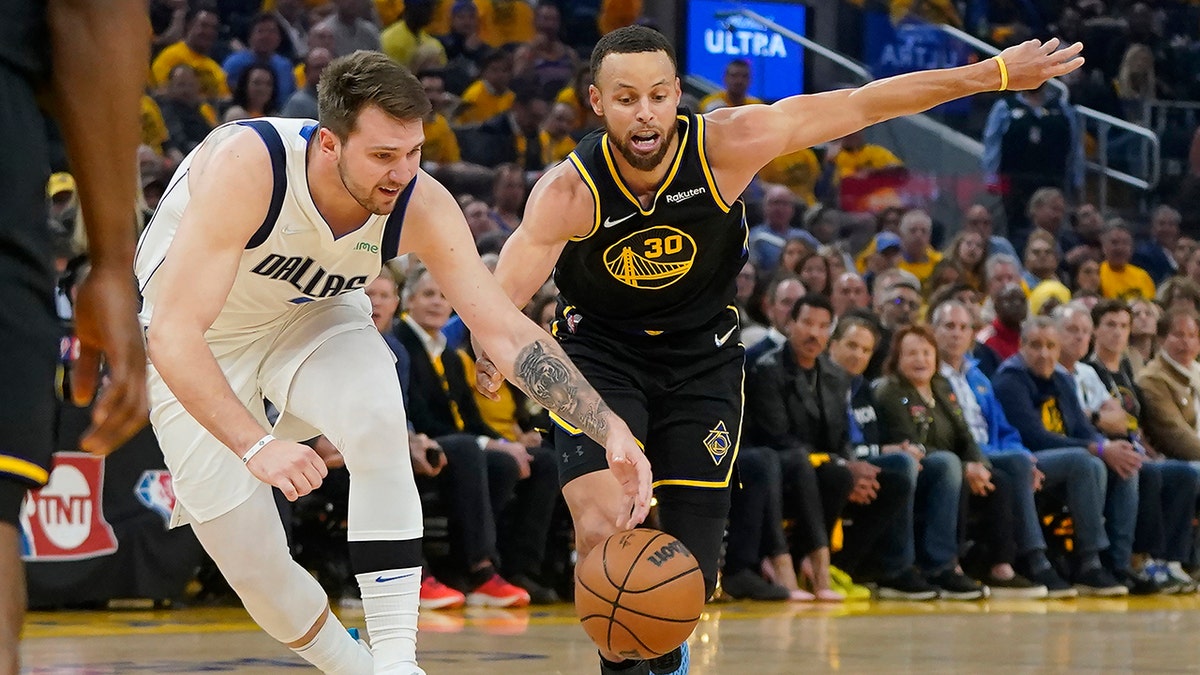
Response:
column 1149, row 536
column 12, row 574
column 939, row 494
column 1120, row 518
column 528, row 518
column 697, row 517
column 748, row 505
column 1181, row 485
column 465, row 484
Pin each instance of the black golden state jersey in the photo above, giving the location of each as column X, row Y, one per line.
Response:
column 670, row 267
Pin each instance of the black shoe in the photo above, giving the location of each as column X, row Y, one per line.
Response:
column 1098, row 582
column 954, row 585
column 908, row 585
column 538, row 594
column 1139, row 582
column 747, row 585
column 624, row 668
column 1016, row 588
column 1056, row 587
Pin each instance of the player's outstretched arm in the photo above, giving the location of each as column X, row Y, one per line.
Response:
column 524, row 353
column 742, row 140
column 230, row 180
column 104, row 164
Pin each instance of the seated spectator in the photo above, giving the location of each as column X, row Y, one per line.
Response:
column 575, row 94
column 319, row 37
column 488, row 96
column 824, row 224
column 442, row 405
column 849, row 292
column 916, row 404
column 546, row 58
column 799, row 244
column 766, row 240
column 1179, row 293
column 508, row 197
column 1156, row 254
column 1014, row 537
column 1170, row 383
column 879, row 529
column 1167, row 488
column 815, row 275
column 510, row 23
column 1143, row 336
column 781, row 296
column 441, row 145
column 887, row 220
column 1083, row 240
column 1118, row 277
column 979, row 218
column 969, row 250
column 1185, row 247
column 463, row 44
column 1047, row 210
column 351, row 31
column 555, row 135
column 254, row 95
column 188, row 118
column 1002, row 337
column 263, row 49
column 853, row 155
column 737, row 84
column 406, row 42
column 796, row 401
column 303, row 103
column 797, row 171
column 917, row 255
column 1041, row 258
column 897, row 303
column 1040, row 402
column 194, row 51
column 1085, row 277
column 745, row 297
column 514, row 135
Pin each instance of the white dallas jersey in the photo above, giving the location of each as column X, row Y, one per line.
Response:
column 293, row 258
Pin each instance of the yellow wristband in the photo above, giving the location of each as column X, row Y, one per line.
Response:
column 1003, row 72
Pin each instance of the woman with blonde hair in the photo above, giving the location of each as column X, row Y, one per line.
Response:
column 969, row 250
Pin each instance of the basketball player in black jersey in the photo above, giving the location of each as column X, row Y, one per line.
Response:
column 645, row 232
column 51, row 47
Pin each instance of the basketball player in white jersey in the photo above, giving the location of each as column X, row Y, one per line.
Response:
column 252, row 273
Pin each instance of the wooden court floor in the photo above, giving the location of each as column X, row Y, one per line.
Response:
column 1135, row 635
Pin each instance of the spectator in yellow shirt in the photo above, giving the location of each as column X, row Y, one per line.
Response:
column 556, row 134
column 857, row 156
column 511, row 23
column 407, row 42
column 798, row 171
column 737, row 83
column 320, row 37
column 489, row 95
column 154, row 129
column 193, row 50
column 441, row 145
column 576, row 95
column 1118, row 278
column 616, row 14
column 916, row 254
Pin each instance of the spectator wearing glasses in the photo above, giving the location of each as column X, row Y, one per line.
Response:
column 897, row 303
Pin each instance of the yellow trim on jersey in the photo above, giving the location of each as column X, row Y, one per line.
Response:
column 616, row 175
column 25, row 469
column 576, row 431
column 732, row 460
column 587, row 178
column 708, row 175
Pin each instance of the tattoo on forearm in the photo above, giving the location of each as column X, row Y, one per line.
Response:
column 557, row 384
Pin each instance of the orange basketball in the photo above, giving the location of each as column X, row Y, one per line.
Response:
column 639, row 594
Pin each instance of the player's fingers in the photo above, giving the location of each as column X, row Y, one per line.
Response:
column 319, row 465
column 289, row 491
column 85, row 374
column 312, row 473
column 119, row 413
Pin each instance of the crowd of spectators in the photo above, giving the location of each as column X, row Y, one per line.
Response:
column 923, row 398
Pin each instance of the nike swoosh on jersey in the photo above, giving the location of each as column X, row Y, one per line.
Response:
column 292, row 229
column 609, row 222
column 722, row 339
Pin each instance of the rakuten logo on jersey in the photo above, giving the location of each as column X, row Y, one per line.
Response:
column 64, row 520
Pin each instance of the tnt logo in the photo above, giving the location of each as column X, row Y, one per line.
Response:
column 64, row 520
column 155, row 491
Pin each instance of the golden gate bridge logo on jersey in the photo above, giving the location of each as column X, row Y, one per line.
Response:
column 652, row 258
column 64, row 520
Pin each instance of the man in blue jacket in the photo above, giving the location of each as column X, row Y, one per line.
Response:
column 1025, row 547
column 1043, row 408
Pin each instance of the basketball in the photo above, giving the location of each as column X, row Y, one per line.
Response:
column 639, row 594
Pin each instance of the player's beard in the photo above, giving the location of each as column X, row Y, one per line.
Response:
column 365, row 196
column 644, row 162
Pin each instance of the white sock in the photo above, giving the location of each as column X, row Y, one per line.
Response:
column 391, row 599
column 335, row 652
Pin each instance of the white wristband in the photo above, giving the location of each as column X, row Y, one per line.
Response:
column 262, row 443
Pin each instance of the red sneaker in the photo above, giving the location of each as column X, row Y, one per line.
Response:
column 436, row 595
column 496, row 592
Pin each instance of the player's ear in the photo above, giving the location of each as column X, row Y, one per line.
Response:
column 328, row 141
column 594, row 100
column 678, row 89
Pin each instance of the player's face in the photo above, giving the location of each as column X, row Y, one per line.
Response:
column 379, row 159
column 637, row 95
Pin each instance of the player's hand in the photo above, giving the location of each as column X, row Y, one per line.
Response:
column 632, row 470
column 488, row 379
column 1033, row 62
column 293, row 468
column 108, row 331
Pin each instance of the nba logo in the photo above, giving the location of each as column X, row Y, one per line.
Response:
column 64, row 519
column 155, row 492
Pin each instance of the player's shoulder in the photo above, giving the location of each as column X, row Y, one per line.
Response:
column 562, row 186
column 233, row 146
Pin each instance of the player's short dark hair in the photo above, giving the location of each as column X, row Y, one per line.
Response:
column 631, row 40
column 811, row 300
column 356, row 81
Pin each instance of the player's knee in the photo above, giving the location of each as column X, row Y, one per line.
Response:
column 592, row 526
column 377, row 439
